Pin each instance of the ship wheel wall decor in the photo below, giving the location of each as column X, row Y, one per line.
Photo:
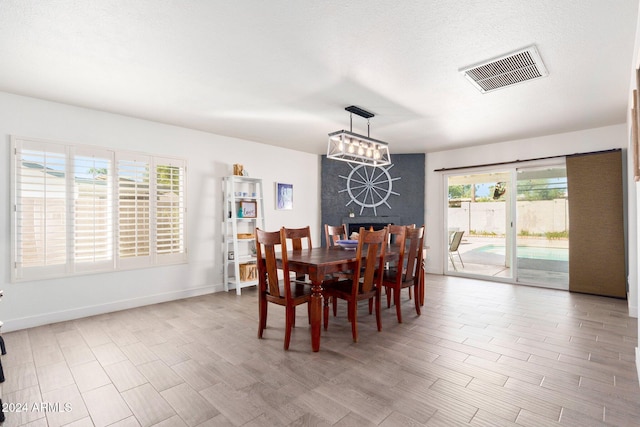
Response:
column 369, row 186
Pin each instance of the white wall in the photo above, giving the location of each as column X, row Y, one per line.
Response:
column 597, row 139
column 634, row 189
column 209, row 158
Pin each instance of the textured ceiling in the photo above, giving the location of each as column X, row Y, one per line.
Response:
column 282, row 72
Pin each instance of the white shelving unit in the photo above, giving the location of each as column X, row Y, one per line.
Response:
column 243, row 212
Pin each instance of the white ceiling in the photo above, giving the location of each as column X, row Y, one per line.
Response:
column 281, row 72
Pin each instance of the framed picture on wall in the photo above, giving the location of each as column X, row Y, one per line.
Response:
column 284, row 196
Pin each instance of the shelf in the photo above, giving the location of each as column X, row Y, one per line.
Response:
column 231, row 239
column 236, row 191
column 232, row 284
column 244, row 259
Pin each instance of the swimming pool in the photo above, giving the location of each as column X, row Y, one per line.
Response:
column 531, row 252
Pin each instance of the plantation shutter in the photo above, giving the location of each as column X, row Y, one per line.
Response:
column 40, row 209
column 133, row 210
column 80, row 209
column 93, row 209
column 170, row 209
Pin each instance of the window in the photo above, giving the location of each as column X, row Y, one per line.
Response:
column 81, row 209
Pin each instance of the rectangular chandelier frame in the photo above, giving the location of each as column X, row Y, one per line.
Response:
column 351, row 147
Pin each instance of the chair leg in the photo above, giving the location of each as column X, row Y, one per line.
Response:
column 396, row 301
column 325, row 312
column 293, row 318
column 290, row 315
column 453, row 262
column 388, row 292
column 410, row 293
column 378, row 319
column 370, row 306
column 335, row 306
column 353, row 306
column 418, row 297
column 262, row 321
column 460, row 259
column 422, row 278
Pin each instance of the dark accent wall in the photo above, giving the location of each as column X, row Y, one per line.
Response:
column 405, row 201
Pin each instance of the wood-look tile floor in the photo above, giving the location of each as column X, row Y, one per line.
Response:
column 481, row 354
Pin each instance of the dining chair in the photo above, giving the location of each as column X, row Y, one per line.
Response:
column 297, row 237
column 392, row 230
column 396, row 238
column 453, row 248
column 273, row 289
column 408, row 271
column 333, row 233
column 365, row 283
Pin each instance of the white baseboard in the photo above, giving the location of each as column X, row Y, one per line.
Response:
column 76, row 313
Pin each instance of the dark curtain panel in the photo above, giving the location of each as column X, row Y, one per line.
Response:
column 596, row 224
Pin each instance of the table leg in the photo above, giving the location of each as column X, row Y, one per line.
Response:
column 316, row 313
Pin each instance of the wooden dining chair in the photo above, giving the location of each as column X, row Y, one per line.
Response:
column 396, row 238
column 365, row 283
column 408, row 271
column 274, row 287
column 298, row 236
column 333, row 233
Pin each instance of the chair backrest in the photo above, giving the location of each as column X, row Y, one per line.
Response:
column 455, row 241
column 396, row 238
column 297, row 235
column 375, row 244
column 413, row 253
column 333, row 233
column 268, row 244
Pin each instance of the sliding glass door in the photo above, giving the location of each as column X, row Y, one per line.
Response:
column 495, row 217
column 479, row 224
column 542, row 218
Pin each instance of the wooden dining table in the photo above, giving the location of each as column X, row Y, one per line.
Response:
column 318, row 263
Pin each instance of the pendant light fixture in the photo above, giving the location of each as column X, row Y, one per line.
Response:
column 350, row 147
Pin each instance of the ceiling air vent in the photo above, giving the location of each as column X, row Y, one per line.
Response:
column 506, row 70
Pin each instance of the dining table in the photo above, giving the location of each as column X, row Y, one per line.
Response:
column 318, row 263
